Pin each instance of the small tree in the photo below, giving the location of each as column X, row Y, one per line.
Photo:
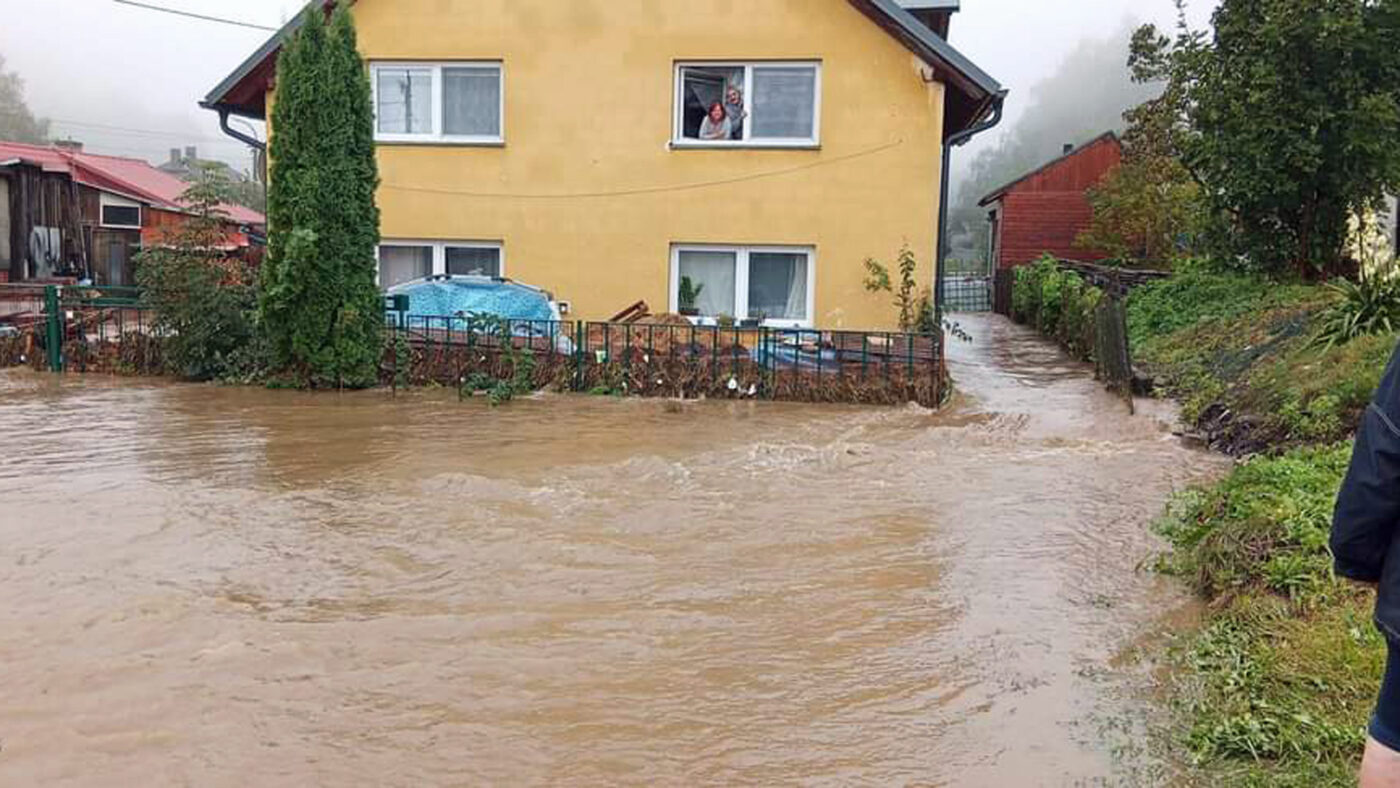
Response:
column 203, row 300
column 1149, row 210
column 915, row 307
column 318, row 303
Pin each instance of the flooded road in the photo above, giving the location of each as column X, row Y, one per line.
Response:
column 223, row 586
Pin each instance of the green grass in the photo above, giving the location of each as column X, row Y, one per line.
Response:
column 1277, row 687
column 1255, row 355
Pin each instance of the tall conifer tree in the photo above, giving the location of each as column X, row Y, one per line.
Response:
column 319, row 307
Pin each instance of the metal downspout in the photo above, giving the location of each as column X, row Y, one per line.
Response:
column 941, row 254
column 253, row 142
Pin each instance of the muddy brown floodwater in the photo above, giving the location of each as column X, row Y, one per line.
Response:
column 229, row 586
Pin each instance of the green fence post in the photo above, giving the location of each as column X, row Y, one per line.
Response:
column 53, row 328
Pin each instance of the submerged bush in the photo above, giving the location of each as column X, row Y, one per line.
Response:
column 1058, row 303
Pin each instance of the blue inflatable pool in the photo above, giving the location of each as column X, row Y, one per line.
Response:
column 471, row 296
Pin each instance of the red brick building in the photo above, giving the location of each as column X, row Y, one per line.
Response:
column 1045, row 211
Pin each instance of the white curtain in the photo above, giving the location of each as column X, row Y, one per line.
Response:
column 405, row 97
column 399, row 264
column 716, row 272
column 778, row 285
column 473, row 261
column 784, row 100
column 471, row 101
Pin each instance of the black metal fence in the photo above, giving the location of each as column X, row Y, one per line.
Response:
column 670, row 360
column 111, row 330
column 967, row 293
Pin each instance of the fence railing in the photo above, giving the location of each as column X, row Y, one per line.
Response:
column 967, row 293
column 111, row 330
column 674, row 360
column 78, row 328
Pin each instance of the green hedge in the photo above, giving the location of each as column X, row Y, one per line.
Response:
column 1059, row 304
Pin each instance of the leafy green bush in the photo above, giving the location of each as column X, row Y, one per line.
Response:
column 1053, row 285
column 1028, row 291
column 1058, row 303
column 1371, row 306
column 204, row 303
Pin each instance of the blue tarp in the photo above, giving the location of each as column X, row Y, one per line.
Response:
column 459, row 296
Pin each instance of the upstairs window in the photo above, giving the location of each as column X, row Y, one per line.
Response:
column 119, row 213
column 458, row 103
column 755, row 104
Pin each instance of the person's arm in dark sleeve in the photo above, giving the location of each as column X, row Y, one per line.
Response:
column 1368, row 506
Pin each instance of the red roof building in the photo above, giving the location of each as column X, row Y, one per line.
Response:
column 64, row 212
column 1043, row 212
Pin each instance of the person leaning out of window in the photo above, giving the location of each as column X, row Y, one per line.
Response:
column 716, row 125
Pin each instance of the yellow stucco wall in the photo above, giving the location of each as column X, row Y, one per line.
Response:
column 589, row 90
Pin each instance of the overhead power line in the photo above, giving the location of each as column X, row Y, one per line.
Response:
column 192, row 15
column 127, row 130
column 642, row 190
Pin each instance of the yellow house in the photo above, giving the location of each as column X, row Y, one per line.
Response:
column 610, row 151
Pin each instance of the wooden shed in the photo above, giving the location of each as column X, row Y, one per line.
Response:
column 1044, row 211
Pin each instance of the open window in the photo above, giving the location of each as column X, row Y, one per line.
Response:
column 453, row 102
column 773, row 285
column 406, row 261
column 774, row 104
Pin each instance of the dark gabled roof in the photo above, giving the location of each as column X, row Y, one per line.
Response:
column 243, row 91
column 996, row 194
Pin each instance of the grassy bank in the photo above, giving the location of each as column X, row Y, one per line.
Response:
column 1276, row 687
column 1241, row 356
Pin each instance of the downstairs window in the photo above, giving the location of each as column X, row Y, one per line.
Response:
column 771, row 284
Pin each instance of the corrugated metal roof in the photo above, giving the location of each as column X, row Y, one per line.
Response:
column 132, row 178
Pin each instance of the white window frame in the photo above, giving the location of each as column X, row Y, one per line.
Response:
column 678, row 106
column 435, row 136
column 741, row 281
column 439, row 252
column 104, row 199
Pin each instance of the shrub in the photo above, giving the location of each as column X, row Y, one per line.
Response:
column 319, row 306
column 203, row 302
column 1371, row 306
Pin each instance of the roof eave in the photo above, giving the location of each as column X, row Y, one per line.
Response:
column 217, row 98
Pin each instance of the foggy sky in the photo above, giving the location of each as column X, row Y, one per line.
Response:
column 126, row 81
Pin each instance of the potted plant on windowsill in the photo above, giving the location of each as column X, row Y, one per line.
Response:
column 687, row 297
